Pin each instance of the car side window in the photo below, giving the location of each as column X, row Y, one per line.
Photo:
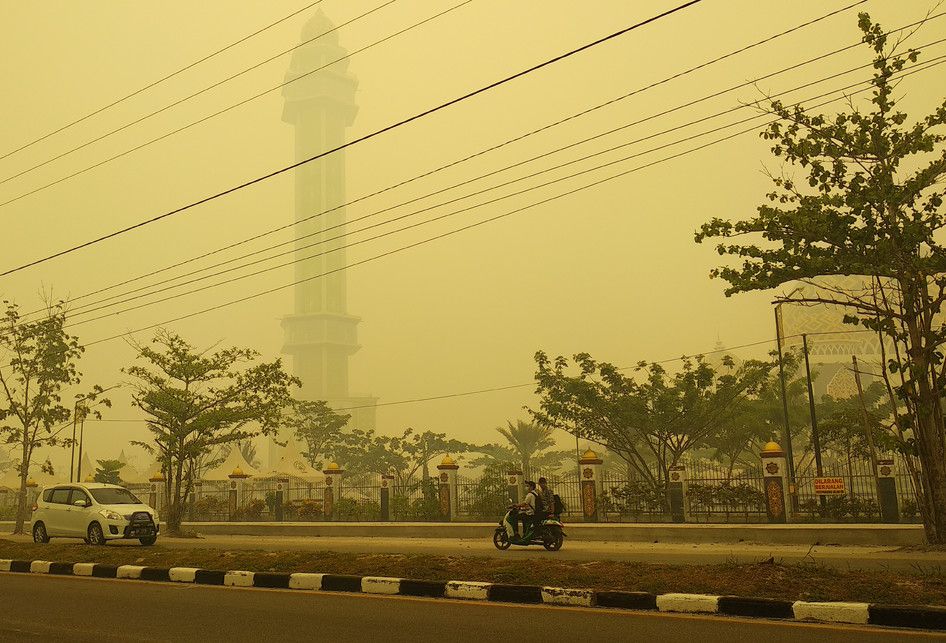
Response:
column 78, row 494
column 60, row 496
column 47, row 495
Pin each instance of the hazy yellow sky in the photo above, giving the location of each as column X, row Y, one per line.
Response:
column 612, row 270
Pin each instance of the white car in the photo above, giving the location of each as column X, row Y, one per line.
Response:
column 95, row 512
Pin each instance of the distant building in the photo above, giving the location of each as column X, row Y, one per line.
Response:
column 831, row 342
column 320, row 334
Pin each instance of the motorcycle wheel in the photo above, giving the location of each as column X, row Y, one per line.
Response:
column 553, row 540
column 501, row 540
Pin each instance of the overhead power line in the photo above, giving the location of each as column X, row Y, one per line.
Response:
column 231, row 107
column 508, row 142
column 421, row 242
column 160, row 80
column 921, row 67
column 206, row 89
column 496, row 389
column 359, row 139
column 154, row 287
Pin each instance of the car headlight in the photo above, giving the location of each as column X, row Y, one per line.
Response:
column 111, row 515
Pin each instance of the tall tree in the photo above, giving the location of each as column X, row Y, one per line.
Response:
column 529, row 446
column 109, row 471
column 655, row 420
column 318, row 427
column 869, row 205
column 40, row 360
column 199, row 400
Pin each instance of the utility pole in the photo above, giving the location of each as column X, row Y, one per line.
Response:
column 787, row 427
column 81, row 434
column 814, row 420
column 811, row 408
column 870, row 435
column 72, row 461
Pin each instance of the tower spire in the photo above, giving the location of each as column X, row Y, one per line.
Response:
column 320, row 334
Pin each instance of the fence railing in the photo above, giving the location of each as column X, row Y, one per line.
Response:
column 713, row 494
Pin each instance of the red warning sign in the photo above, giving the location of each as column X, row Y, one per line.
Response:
column 829, row 486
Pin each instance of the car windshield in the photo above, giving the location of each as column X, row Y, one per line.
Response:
column 110, row 496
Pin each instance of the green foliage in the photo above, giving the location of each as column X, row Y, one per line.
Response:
column 528, row 447
column 250, row 511
column 40, row 362
column 842, row 508
column 308, row 509
column 319, row 428
column 197, row 401
column 353, row 510
column 728, row 498
column 656, row 418
column 868, row 204
column 211, row 507
column 403, row 456
column 406, row 505
column 109, row 471
column 489, row 497
column 635, row 499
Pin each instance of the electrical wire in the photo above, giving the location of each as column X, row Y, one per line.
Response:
column 495, row 147
column 207, row 89
column 423, row 241
column 160, row 80
column 358, row 140
column 101, row 305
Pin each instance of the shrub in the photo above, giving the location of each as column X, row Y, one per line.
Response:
column 252, row 510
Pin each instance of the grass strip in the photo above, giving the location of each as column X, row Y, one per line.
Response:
column 808, row 582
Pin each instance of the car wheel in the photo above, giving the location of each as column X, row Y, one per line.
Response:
column 148, row 541
column 39, row 533
column 96, row 537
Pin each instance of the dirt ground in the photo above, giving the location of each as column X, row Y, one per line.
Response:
column 765, row 579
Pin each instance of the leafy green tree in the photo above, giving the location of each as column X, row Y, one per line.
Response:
column 761, row 417
column 655, row 420
column 318, row 427
column 109, row 471
column 197, row 401
column 40, row 359
column 869, row 204
column 528, row 447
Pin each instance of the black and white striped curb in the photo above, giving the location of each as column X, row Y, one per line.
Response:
column 913, row 616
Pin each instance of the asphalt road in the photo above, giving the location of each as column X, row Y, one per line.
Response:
column 60, row 608
column 840, row 557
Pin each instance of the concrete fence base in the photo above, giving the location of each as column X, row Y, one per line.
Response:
column 775, row 534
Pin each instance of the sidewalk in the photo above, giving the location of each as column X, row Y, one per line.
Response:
column 837, row 557
column 793, row 534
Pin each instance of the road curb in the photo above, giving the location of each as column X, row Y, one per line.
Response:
column 927, row 617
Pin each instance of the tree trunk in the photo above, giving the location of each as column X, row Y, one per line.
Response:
column 928, row 429
column 21, row 508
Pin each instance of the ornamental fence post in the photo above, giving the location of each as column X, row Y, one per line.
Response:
column 775, row 483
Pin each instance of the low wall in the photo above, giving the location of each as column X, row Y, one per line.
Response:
column 798, row 534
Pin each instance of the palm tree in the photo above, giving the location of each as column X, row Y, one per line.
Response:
column 528, row 440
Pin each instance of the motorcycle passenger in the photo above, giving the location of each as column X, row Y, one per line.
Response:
column 547, row 496
column 526, row 509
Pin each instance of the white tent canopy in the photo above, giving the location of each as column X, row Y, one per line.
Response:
column 293, row 463
column 234, row 460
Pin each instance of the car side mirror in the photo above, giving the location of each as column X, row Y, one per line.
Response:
column 80, row 503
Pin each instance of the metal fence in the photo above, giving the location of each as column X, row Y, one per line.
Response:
column 715, row 494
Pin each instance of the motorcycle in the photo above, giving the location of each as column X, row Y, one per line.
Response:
column 550, row 533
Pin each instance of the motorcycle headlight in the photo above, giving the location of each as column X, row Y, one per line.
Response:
column 111, row 515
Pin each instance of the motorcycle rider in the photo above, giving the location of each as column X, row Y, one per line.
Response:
column 526, row 509
column 548, row 499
